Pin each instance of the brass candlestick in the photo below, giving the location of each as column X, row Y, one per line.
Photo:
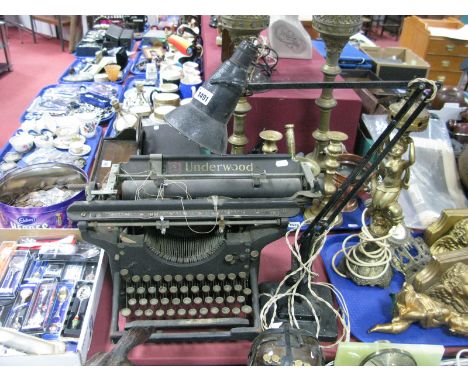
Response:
column 270, row 137
column 332, row 163
column 238, row 139
column 335, row 32
column 240, row 27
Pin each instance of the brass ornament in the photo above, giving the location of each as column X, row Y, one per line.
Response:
column 333, row 152
column 270, row 139
column 335, row 32
column 457, row 238
column 239, row 28
column 443, row 304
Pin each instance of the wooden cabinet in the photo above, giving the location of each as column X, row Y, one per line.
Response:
column 443, row 54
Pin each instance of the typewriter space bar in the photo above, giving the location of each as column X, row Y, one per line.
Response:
column 188, row 324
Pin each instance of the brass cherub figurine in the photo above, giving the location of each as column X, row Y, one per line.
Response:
column 395, row 173
column 443, row 304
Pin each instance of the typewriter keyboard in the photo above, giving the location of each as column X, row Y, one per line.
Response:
column 193, row 296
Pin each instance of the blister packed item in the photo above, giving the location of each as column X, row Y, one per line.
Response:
column 40, row 307
column 52, row 155
column 434, row 184
column 13, row 274
column 20, row 307
column 58, row 313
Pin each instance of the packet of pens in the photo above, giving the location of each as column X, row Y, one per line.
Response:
column 14, row 266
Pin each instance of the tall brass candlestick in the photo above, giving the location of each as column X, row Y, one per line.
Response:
column 335, row 32
column 241, row 27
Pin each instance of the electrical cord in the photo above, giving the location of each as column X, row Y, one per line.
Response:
column 381, row 256
column 305, row 274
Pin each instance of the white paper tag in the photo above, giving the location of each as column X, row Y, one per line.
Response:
column 106, row 163
column 203, row 95
column 282, row 163
column 352, row 225
column 276, row 325
column 156, row 127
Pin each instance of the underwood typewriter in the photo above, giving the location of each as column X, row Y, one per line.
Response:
column 184, row 234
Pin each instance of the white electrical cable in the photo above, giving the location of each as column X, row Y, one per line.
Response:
column 380, row 257
column 304, row 272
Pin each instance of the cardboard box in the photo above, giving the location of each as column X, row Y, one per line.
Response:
column 397, row 64
column 84, row 341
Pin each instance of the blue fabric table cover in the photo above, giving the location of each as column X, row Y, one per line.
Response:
column 79, row 60
column 117, row 87
column 92, row 142
column 369, row 306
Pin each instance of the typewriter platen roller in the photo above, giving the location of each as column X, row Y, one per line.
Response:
column 184, row 234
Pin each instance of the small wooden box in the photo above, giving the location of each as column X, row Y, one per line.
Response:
column 397, row 64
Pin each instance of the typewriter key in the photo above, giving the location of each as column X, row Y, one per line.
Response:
column 231, row 276
column 178, row 278
column 200, row 277
column 167, row 278
column 197, row 300
column 225, row 310
column 192, row 312
column 208, row 300
column 149, row 312
column 124, row 273
column 214, row 310
column 206, row 289
column 146, row 278
column 125, row 312
column 187, row 301
column 175, row 301
column 152, row 290
column 141, row 290
column 130, row 290
column 195, row 289
column 230, row 299
column 236, row 311
column 221, row 276
column 227, row 288
column 157, row 278
column 136, row 279
column 203, row 311
column 216, row 288
column 181, row 312
column 184, row 289
column 189, row 277
column 138, row 313
column 219, row 300
column 162, row 289
column 173, row 289
column 242, row 275
column 132, row 302
column 154, row 301
column 247, row 291
column 143, row 301
column 211, row 277
column 159, row 313
column 164, row 301
column 170, row 313
column 238, row 288
column 247, row 309
column 240, row 299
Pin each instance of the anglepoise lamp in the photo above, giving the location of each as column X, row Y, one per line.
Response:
column 204, row 119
